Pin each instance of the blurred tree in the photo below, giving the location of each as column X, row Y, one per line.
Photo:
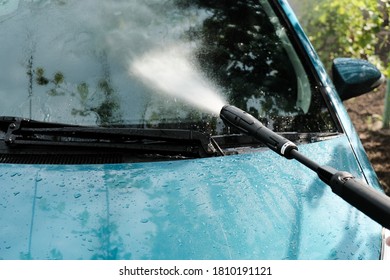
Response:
column 386, row 113
column 349, row 28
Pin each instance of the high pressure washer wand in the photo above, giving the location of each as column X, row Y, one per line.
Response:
column 371, row 202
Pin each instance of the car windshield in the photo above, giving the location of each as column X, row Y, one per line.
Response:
column 149, row 63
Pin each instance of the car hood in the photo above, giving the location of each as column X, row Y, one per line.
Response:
column 249, row 206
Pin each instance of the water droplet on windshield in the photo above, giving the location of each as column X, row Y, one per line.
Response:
column 144, row 221
column 77, row 195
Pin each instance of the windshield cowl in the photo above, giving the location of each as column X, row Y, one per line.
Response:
column 26, row 133
column 30, row 137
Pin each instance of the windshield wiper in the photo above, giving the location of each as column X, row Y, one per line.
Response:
column 27, row 132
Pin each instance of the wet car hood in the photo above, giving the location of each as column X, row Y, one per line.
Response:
column 250, row 206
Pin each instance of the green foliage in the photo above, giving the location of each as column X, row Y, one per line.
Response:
column 58, row 78
column 83, row 91
column 106, row 110
column 386, row 113
column 40, row 78
column 349, row 28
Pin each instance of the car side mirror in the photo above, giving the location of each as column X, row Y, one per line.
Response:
column 353, row 77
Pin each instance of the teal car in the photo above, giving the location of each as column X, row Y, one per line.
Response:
column 112, row 146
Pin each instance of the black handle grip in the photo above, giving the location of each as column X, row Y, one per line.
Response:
column 248, row 124
column 374, row 204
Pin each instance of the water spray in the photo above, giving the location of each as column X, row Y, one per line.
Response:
column 170, row 72
column 374, row 204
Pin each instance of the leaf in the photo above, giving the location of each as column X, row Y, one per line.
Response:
column 42, row 81
column 58, row 78
column 39, row 71
column 83, row 90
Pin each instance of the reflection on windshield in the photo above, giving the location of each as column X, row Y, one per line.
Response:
column 70, row 61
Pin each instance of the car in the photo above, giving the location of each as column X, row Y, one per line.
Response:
column 115, row 143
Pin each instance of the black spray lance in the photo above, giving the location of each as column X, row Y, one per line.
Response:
column 373, row 203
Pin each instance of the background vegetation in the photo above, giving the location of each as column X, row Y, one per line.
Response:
column 349, row 28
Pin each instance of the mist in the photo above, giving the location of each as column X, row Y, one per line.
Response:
column 151, row 39
column 171, row 72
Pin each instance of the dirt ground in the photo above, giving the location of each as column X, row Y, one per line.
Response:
column 366, row 112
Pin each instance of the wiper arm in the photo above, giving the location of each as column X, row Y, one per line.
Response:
column 22, row 131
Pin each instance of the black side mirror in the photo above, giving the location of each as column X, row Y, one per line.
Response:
column 353, row 77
